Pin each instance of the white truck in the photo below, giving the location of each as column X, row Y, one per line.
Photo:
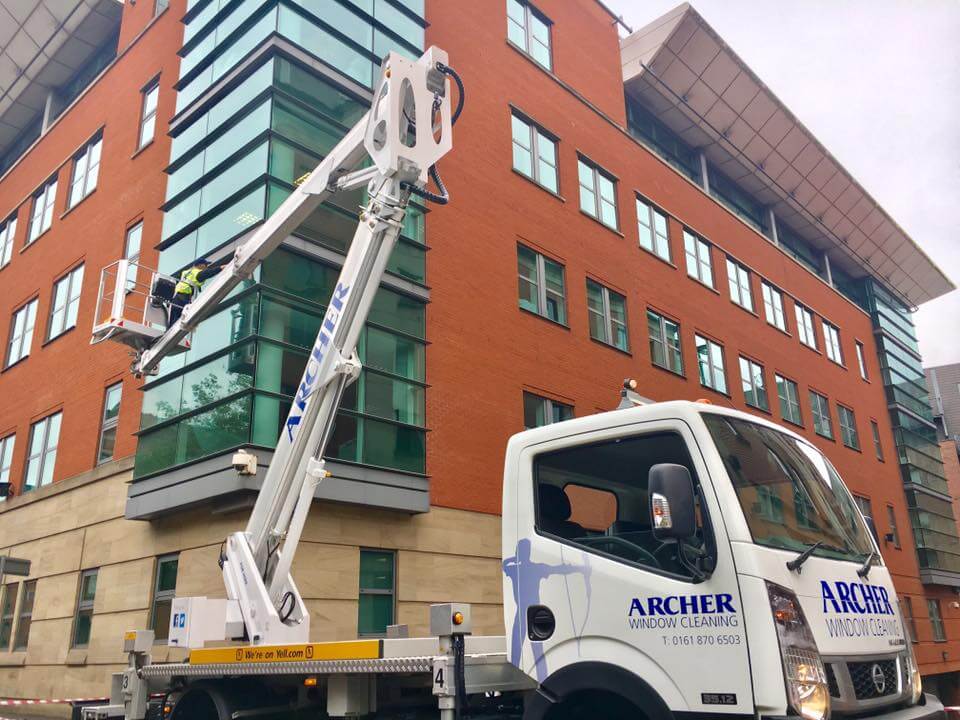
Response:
column 659, row 560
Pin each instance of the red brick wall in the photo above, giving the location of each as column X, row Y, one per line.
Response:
column 486, row 351
column 66, row 374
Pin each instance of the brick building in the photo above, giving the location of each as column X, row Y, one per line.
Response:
column 641, row 207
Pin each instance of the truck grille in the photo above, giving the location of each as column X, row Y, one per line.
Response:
column 832, row 681
column 865, row 686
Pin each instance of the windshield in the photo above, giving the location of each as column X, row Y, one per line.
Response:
column 790, row 494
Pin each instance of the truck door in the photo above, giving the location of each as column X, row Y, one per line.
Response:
column 591, row 584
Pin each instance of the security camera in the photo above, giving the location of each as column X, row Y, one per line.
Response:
column 244, row 463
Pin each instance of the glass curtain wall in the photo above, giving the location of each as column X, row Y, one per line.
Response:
column 234, row 158
column 921, row 465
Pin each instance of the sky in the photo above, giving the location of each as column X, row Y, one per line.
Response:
column 878, row 83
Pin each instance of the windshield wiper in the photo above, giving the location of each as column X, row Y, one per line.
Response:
column 799, row 560
column 867, row 564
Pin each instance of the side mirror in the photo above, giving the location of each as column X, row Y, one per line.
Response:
column 672, row 507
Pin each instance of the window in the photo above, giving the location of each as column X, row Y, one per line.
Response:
column 539, row 411
column 739, row 279
column 697, row 252
column 108, row 423
column 42, row 452
column 607, row 311
column 866, row 509
column 164, row 588
column 652, row 227
column 541, row 284
column 7, row 233
column 6, row 459
column 529, row 30
column 848, row 427
column 41, row 216
column 598, row 193
column 665, row 349
column 831, row 340
column 65, row 303
column 534, row 153
column 907, row 605
column 148, row 113
column 8, row 605
column 377, row 591
column 21, row 333
column 878, row 448
column 160, row 6
column 131, row 252
column 83, row 618
column 710, row 359
column 773, row 306
column 892, row 522
column 936, row 620
column 820, row 407
column 861, row 360
column 789, row 400
column 805, row 326
column 595, row 497
column 86, row 169
column 754, row 386
column 25, row 615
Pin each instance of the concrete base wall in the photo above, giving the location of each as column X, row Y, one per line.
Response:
column 443, row 555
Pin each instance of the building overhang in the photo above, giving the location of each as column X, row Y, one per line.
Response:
column 44, row 43
column 684, row 72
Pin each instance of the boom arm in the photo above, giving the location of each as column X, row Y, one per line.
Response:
column 406, row 132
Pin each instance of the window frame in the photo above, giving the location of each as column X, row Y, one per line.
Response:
column 529, row 13
column 710, row 345
column 11, row 591
column 701, row 255
column 831, row 342
column 936, row 623
column 785, row 382
column 71, row 277
column 877, row 446
column 862, row 501
column 536, row 134
column 848, row 431
column 816, row 412
column 84, row 606
column 159, row 595
column 26, row 334
column 24, row 612
column 108, row 424
column 45, row 451
column 89, row 172
column 755, row 370
column 8, row 236
column 662, row 321
column 735, row 282
column 861, row 360
column 8, row 444
column 658, row 242
column 148, row 116
column 378, row 591
column 909, row 617
column 596, row 174
column 773, row 304
column 606, row 315
column 806, row 333
column 540, row 264
column 894, row 529
column 549, row 407
column 41, row 210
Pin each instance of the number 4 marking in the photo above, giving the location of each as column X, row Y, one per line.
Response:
column 438, row 680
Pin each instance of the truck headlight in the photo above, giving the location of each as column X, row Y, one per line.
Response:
column 803, row 672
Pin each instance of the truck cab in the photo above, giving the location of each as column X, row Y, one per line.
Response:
column 680, row 557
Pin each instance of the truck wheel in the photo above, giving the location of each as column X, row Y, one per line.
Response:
column 595, row 706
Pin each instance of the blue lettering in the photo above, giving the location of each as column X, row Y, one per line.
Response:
column 827, row 594
column 853, row 598
column 725, row 603
column 887, row 609
column 666, row 605
column 655, row 606
column 637, row 606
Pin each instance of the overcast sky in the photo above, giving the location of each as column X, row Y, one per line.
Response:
column 878, row 83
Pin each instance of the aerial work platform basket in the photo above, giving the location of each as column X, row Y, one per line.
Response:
column 132, row 306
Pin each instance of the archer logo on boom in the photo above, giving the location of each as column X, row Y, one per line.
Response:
column 685, row 611
column 316, row 358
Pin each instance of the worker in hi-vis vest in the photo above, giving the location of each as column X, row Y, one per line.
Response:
column 191, row 280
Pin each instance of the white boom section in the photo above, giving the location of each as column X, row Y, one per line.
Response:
column 407, row 130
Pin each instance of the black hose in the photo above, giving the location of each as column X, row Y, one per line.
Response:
column 284, row 616
column 447, row 70
column 440, row 199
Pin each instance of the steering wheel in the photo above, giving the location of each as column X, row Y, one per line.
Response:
column 633, row 552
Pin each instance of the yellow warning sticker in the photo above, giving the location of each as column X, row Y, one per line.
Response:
column 347, row 650
column 132, row 635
